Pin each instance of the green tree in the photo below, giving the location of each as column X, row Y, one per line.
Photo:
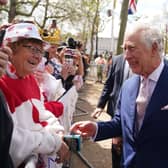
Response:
column 82, row 15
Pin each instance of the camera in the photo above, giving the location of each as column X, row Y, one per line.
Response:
column 71, row 43
column 70, row 51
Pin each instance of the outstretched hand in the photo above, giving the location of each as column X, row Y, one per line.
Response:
column 86, row 129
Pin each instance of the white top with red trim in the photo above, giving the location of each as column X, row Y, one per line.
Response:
column 35, row 128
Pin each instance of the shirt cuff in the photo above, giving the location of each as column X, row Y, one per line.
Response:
column 94, row 137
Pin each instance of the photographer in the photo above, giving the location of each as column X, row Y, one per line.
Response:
column 76, row 61
column 55, row 64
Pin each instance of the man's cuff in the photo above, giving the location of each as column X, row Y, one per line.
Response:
column 94, row 137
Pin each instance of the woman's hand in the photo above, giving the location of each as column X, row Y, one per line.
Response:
column 63, row 154
column 5, row 54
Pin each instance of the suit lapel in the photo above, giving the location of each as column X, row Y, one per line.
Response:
column 131, row 94
column 135, row 90
column 159, row 97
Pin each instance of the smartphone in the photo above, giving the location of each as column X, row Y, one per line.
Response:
column 69, row 56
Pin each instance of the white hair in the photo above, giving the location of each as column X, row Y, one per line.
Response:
column 149, row 34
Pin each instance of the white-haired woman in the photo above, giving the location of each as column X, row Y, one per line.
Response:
column 36, row 129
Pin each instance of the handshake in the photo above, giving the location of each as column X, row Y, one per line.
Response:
column 73, row 141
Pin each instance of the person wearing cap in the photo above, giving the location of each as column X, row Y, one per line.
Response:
column 55, row 60
column 36, row 129
column 72, row 56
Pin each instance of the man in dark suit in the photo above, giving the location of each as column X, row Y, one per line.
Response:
column 112, row 87
column 144, row 132
column 6, row 124
column 6, row 127
column 119, row 72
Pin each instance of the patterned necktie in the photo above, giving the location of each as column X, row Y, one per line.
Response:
column 142, row 101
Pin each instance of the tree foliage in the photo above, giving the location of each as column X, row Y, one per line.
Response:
column 82, row 15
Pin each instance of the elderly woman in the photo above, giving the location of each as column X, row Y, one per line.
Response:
column 36, row 130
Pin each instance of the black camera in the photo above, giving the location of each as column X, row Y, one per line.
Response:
column 71, row 43
column 45, row 33
column 70, row 51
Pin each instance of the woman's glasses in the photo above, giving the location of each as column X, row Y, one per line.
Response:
column 34, row 50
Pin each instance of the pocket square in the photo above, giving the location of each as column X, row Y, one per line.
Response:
column 165, row 107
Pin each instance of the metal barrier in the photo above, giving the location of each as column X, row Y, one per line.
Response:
column 92, row 72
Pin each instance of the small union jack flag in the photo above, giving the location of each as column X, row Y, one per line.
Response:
column 132, row 7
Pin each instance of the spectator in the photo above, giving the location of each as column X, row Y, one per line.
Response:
column 72, row 57
column 55, row 65
column 62, row 68
column 37, row 131
column 100, row 62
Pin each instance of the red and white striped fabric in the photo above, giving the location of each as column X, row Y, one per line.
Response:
column 132, row 6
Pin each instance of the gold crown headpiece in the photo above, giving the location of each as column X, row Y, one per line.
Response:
column 53, row 37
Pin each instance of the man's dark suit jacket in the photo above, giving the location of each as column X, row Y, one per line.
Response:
column 6, row 127
column 112, row 85
column 147, row 148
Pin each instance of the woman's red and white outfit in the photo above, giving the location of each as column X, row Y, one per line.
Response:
column 35, row 127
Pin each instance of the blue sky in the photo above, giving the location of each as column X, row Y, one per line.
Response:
column 144, row 7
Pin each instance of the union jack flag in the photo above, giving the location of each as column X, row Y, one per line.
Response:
column 132, row 7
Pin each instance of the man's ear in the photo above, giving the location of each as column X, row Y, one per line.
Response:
column 154, row 47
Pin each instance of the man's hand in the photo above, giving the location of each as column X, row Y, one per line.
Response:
column 97, row 113
column 86, row 129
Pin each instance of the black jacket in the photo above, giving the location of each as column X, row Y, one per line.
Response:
column 112, row 85
column 6, row 127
